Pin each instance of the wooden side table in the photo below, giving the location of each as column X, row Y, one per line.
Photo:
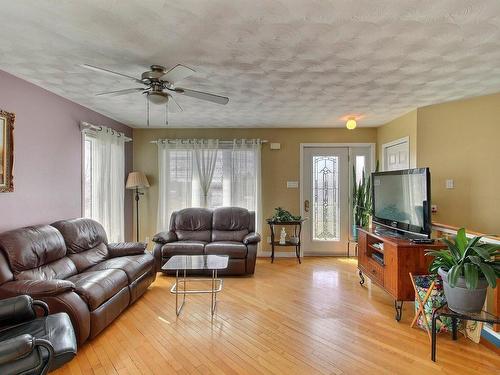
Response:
column 297, row 229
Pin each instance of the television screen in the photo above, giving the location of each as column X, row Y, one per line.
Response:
column 401, row 199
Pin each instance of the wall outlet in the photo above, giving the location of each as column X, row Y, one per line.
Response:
column 147, row 239
column 292, row 184
column 434, row 208
column 268, row 239
column 450, row 184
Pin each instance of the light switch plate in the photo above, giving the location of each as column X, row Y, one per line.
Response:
column 292, row 184
column 275, row 146
column 450, row 184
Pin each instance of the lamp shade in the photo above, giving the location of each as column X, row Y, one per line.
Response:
column 137, row 180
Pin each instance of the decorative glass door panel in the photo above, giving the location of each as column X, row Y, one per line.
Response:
column 325, row 200
column 325, row 204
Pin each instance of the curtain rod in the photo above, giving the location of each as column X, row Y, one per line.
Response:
column 86, row 126
column 220, row 142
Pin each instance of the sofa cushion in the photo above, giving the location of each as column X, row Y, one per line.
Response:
column 32, row 247
column 230, row 224
column 86, row 242
column 81, row 234
column 58, row 269
column 133, row 265
column 97, row 287
column 193, row 224
column 183, row 248
column 235, row 250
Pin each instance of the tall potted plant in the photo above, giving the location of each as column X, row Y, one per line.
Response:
column 361, row 202
column 467, row 267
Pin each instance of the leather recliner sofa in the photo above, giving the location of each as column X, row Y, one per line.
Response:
column 221, row 231
column 70, row 266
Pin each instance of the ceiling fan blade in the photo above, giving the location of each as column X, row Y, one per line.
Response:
column 177, row 73
column 121, row 92
column 203, row 95
column 173, row 106
column 102, row 70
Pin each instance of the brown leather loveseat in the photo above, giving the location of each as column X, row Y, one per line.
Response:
column 70, row 266
column 221, row 231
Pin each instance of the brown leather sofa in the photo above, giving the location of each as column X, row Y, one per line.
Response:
column 70, row 266
column 222, row 231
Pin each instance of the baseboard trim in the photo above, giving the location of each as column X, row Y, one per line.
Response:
column 291, row 254
column 277, row 254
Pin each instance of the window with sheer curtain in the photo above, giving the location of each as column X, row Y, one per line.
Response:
column 104, row 180
column 196, row 173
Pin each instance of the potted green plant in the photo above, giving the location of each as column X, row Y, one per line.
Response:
column 467, row 267
column 361, row 202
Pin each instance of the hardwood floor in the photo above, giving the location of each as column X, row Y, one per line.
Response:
column 312, row 318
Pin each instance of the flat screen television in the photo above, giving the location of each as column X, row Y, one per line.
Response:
column 402, row 201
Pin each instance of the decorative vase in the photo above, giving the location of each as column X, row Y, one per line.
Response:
column 354, row 232
column 461, row 299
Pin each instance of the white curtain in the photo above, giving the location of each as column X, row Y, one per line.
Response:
column 205, row 152
column 246, row 179
column 175, row 178
column 208, row 174
column 108, row 182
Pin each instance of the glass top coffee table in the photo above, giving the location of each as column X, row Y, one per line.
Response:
column 183, row 263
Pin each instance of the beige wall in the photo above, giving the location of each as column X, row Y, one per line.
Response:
column 278, row 166
column 404, row 126
column 460, row 141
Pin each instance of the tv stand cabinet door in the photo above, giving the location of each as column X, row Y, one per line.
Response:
column 391, row 269
column 410, row 259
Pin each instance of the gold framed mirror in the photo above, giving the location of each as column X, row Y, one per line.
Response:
column 6, row 151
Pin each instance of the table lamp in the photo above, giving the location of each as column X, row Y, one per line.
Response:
column 137, row 180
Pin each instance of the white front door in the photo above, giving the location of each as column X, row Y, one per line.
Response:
column 397, row 155
column 325, row 200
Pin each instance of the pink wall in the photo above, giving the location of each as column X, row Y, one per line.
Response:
column 48, row 156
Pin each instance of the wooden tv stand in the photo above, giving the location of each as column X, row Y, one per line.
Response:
column 391, row 273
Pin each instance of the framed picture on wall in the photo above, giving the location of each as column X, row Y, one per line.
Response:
column 6, row 151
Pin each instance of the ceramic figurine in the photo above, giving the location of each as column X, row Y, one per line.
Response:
column 283, row 236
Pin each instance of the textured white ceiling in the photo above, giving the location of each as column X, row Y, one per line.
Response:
column 282, row 63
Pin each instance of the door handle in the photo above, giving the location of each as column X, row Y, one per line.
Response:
column 306, row 205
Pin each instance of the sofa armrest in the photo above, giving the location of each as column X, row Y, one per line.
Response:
column 16, row 348
column 251, row 238
column 126, row 248
column 16, row 309
column 38, row 288
column 19, row 347
column 165, row 237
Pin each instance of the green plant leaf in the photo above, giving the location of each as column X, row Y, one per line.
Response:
column 489, row 273
column 482, row 252
column 471, row 275
column 453, row 274
column 453, row 249
column 461, row 240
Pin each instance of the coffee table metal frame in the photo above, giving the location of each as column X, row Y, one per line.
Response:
column 183, row 263
column 216, row 283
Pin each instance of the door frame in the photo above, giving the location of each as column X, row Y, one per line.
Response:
column 302, row 146
column 394, row 143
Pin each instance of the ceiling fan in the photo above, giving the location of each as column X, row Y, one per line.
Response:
column 159, row 85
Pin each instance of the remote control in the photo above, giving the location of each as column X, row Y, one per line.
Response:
column 422, row 240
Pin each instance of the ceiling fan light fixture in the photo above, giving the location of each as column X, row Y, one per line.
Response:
column 160, row 98
column 351, row 123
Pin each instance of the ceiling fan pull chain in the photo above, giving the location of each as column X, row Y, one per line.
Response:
column 166, row 114
column 147, row 110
